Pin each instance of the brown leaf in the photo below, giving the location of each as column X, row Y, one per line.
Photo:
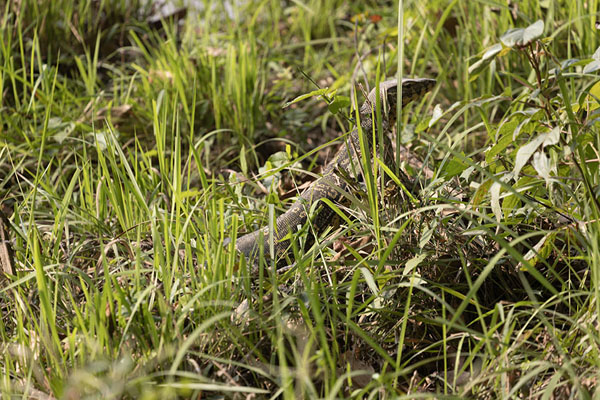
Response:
column 6, row 253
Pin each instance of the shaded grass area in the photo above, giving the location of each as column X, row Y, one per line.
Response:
column 134, row 141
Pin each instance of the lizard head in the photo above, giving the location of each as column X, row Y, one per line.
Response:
column 412, row 89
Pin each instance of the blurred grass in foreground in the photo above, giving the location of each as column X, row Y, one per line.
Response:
column 120, row 127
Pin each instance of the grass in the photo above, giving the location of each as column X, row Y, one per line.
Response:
column 130, row 150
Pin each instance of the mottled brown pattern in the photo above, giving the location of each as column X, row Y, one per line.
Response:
column 331, row 186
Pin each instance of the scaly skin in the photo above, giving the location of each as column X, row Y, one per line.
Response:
column 331, row 186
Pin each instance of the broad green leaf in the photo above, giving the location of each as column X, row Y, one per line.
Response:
column 551, row 138
column 505, row 138
column 455, row 167
column 595, row 90
column 481, row 192
column 492, row 51
column 486, row 59
column 413, row 263
column 370, row 280
column 477, row 67
column 524, row 181
column 495, row 200
column 509, row 203
column 520, row 127
column 591, row 67
column 543, row 165
column 527, row 150
column 428, row 234
column 590, row 99
column 279, row 159
column 532, row 32
column 499, row 147
column 569, row 63
column 541, row 250
column 522, row 37
column 101, row 140
column 512, row 37
column 338, row 103
column 423, row 125
column 61, row 135
column 437, row 114
column 318, row 92
column 55, row 123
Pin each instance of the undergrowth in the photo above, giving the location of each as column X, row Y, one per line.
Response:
column 135, row 140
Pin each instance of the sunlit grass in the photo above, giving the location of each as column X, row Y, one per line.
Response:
column 131, row 150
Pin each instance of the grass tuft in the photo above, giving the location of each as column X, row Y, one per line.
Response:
column 135, row 139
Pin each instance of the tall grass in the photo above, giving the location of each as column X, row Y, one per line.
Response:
column 130, row 151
